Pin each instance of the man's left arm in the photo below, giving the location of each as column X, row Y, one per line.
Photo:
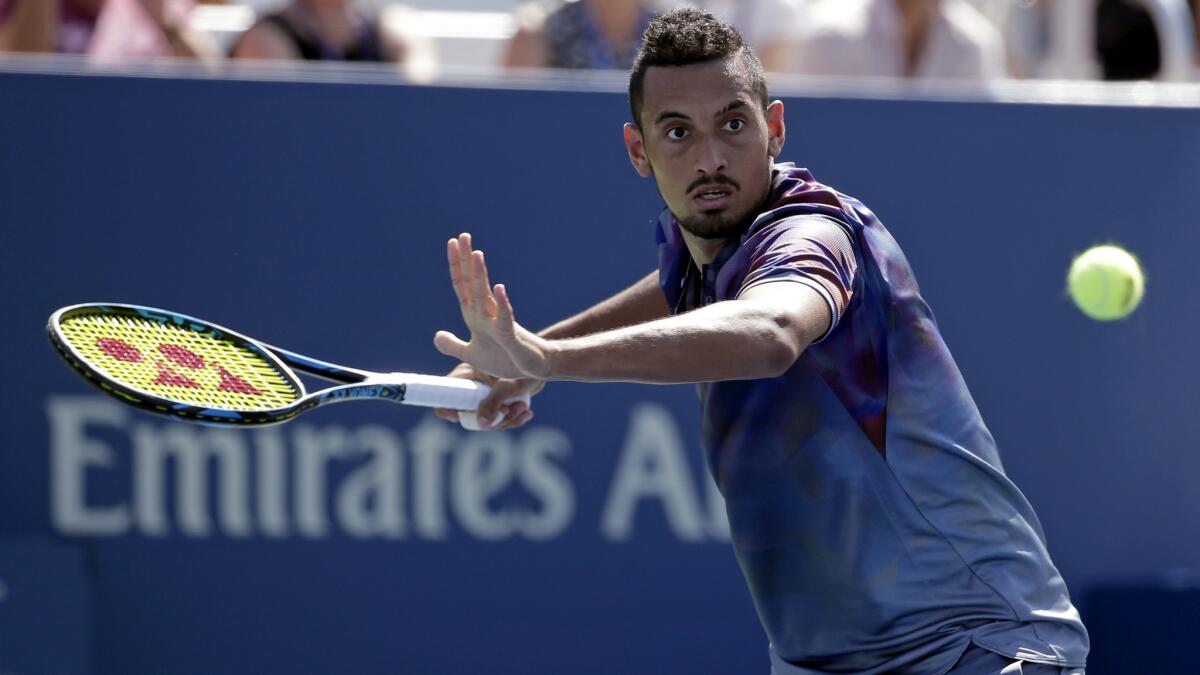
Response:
column 759, row 334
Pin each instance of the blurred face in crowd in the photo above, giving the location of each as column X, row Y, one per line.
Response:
column 91, row 7
column 325, row 5
column 707, row 141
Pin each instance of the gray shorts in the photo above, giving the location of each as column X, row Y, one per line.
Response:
column 975, row 660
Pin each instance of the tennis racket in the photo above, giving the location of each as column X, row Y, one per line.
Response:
column 177, row 365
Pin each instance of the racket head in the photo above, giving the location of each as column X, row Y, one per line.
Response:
column 174, row 364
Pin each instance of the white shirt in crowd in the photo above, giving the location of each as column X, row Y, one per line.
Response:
column 761, row 22
column 1057, row 38
column 863, row 38
column 772, row 27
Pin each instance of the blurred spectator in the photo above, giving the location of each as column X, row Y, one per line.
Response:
column 106, row 30
column 1145, row 39
column 918, row 39
column 333, row 30
column 1126, row 41
column 594, row 34
column 1195, row 6
column 771, row 26
column 1092, row 39
column 607, row 33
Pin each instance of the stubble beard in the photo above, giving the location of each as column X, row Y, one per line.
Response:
column 719, row 225
column 725, row 224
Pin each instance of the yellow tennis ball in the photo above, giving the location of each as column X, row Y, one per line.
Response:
column 1106, row 282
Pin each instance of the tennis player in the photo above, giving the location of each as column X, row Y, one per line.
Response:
column 867, row 503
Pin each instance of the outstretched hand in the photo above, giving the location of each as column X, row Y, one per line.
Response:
column 498, row 345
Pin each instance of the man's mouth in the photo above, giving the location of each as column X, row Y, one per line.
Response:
column 712, row 196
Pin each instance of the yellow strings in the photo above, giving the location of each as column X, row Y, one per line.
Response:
column 178, row 364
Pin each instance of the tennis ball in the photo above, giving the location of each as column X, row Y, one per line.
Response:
column 1106, row 282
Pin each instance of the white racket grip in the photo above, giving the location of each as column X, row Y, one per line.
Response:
column 433, row 391
column 454, row 393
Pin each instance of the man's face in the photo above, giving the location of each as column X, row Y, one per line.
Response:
column 707, row 142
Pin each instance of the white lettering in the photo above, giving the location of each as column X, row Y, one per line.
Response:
column 369, row 500
column 191, row 451
column 431, row 440
column 310, row 481
column 271, row 483
column 652, row 465
column 546, row 481
column 482, row 468
column 71, row 453
column 233, row 488
column 314, row 448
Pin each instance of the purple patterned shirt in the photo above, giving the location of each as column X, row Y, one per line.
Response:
column 868, row 507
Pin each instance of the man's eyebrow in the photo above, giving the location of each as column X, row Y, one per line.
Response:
column 732, row 105
column 671, row 114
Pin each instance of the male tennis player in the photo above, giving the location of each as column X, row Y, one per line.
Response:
column 867, row 503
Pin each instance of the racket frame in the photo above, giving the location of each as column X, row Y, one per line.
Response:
column 353, row 383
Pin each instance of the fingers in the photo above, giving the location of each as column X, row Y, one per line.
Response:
column 457, row 280
column 513, row 422
column 506, row 406
column 464, row 263
column 458, row 255
column 474, row 422
column 482, row 294
column 448, row 344
column 504, row 309
column 446, row 414
column 469, row 275
column 494, row 406
column 510, row 416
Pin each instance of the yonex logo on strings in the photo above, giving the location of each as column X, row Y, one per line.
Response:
column 181, row 356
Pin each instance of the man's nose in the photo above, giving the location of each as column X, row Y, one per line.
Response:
column 710, row 159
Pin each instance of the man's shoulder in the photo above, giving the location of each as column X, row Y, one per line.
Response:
column 795, row 190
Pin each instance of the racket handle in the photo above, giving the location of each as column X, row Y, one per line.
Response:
column 433, row 391
column 454, row 393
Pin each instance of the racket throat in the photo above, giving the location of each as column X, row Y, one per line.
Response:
column 390, row 391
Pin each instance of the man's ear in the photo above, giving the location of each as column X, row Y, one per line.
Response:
column 776, row 131
column 636, row 147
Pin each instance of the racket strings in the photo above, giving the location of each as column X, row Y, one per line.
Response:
column 179, row 364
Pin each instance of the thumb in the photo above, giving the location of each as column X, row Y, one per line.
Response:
column 448, row 344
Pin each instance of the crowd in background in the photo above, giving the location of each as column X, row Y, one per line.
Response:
column 971, row 40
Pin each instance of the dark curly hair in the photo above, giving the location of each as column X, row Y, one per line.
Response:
column 685, row 36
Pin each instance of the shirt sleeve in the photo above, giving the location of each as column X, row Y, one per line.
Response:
column 813, row 250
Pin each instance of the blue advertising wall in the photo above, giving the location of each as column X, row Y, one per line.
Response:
column 373, row 538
